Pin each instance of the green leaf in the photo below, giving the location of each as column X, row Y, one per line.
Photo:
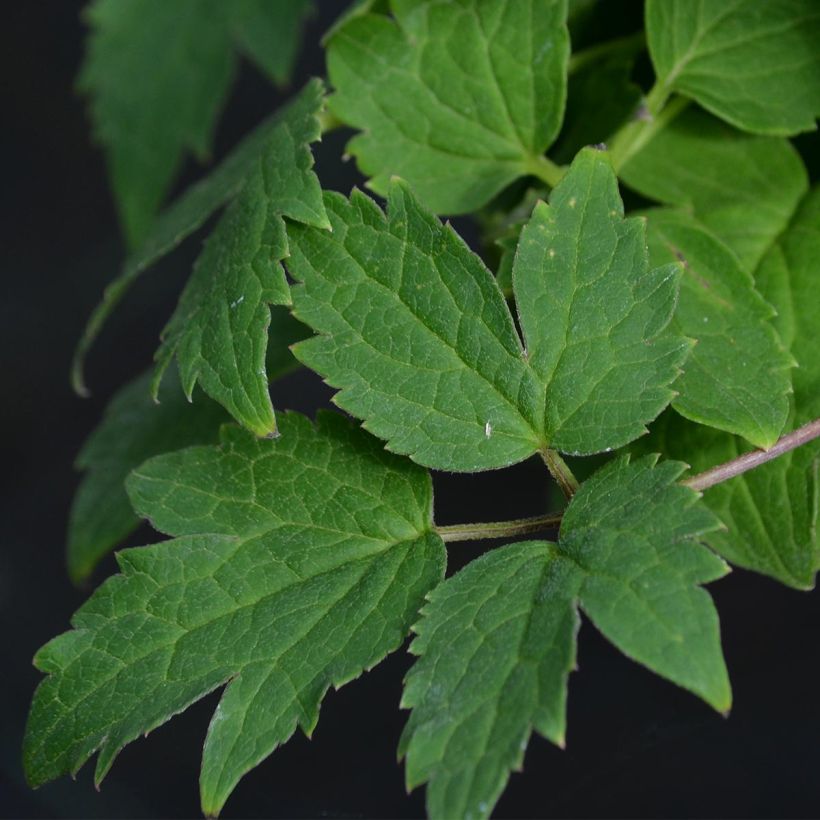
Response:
column 158, row 74
column 743, row 188
column 219, row 329
column 135, row 428
column 769, row 513
column 738, row 376
column 755, row 65
column 200, row 201
column 300, row 563
column 497, row 640
column 457, row 98
column 416, row 334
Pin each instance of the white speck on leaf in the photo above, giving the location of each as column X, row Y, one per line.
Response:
column 488, row 430
column 238, row 301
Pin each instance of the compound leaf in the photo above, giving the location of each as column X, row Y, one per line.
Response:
column 738, row 376
column 219, row 329
column 457, row 98
column 744, row 188
column 134, row 429
column 497, row 640
column 299, row 563
column 755, row 65
column 158, row 74
column 771, row 512
column 416, row 334
column 200, row 201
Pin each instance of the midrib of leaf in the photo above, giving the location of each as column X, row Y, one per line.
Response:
column 365, row 560
column 454, row 350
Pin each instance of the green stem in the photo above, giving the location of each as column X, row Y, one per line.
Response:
column 655, row 115
column 631, row 43
column 498, row 529
column 560, row 472
column 545, row 169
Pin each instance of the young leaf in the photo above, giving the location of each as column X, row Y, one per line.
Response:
column 300, row 563
column 200, row 201
column 738, row 375
column 416, row 334
column 219, row 329
column 158, row 74
column 755, row 65
column 497, row 640
column 458, row 98
column 743, row 188
column 134, row 429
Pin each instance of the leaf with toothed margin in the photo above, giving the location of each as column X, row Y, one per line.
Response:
column 497, row 640
column 188, row 213
column 743, row 188
column 738, row 376
column 459, row 98
column 770, row 513
column 416, row 334
column 158, row 73
column 299, row 563
column 219, row 331
column 754, row 64
column 134, row 429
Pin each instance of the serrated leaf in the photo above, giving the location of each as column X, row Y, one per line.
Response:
column 743, row 188
column 300, row 563
column 458, row 98
column 158, row 74
column 771, row 512
column 755, row 65
column 416, row 334
column 219, row 329
column 192, row 209
column 738, row 377
column 134, row 429
column 497, row 640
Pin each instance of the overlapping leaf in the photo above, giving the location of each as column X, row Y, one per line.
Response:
column 416, row 334
column 459, row 98
column 771, row 512
column 754, row 64
column 299, row 563
column 158, row 74
column 744, row 188
column 497, row 641
column 134, row 429
column 202, row 200
column 738, row 376
column 219, row 329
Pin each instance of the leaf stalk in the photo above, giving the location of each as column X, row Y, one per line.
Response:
column 498, row 529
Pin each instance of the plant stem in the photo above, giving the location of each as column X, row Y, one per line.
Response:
column 654, row 115
column 560, row 472
column 723, row 472
column 748, row 461
column 545, row 169
column 498, row 529
column 628, row 44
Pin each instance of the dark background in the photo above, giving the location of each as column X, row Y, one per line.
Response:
column 638, row 746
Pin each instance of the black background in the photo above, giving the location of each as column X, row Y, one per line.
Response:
column 637, row 746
